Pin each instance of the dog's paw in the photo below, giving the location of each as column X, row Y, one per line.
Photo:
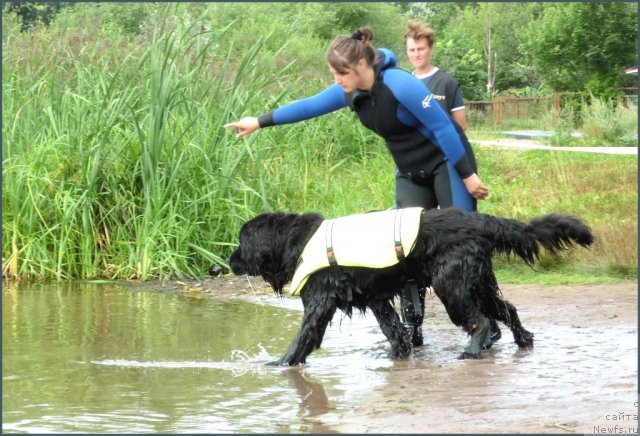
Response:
column 274, row 363
column 396, row 356
column 400, row 350
column 525, row 339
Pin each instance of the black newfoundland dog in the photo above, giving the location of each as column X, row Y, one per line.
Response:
column 451, row 253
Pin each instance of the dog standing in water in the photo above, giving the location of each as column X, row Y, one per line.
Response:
column 449, row 250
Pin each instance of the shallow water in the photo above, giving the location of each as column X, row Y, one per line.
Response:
column 105, row 358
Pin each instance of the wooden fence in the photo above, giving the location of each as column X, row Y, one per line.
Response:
column 515, row 107
column 496, row 111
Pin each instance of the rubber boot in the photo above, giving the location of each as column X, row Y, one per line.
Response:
column 494, row 335
column 412, row 318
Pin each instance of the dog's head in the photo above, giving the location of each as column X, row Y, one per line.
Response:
column 270, row 245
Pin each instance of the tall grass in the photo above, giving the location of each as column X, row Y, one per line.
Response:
column 601, row 189
column 610, row 122
column 116, row 164
column 121, row 169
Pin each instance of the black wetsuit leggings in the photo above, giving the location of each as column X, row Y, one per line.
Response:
column 443, row 188
column 429, row 193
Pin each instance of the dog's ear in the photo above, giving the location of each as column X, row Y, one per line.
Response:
column 265, row 245
column 300, row 231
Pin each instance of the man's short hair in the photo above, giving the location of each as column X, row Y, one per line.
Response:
column 418, row 30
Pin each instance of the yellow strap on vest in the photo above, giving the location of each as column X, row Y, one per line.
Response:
column 365, row 240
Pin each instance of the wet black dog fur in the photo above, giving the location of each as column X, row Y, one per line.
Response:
column 452, row 255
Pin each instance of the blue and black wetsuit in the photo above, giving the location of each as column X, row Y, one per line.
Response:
column 424, row 144
column 446, row 90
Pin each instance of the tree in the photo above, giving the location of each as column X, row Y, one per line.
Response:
column 34, row 13
column 479, row 43
column 585, row 46
column 490, row 54
column 459, row 50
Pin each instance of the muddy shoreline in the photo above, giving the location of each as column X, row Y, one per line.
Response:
column 581, row 376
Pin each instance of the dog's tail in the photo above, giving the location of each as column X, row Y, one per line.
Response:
column 554, row 232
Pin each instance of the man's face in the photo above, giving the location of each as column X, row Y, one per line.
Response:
column 419, row 52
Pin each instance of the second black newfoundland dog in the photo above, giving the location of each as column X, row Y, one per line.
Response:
column 451, row 252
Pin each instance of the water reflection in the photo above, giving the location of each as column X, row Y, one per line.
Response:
column 103, row 358
column 314, row 400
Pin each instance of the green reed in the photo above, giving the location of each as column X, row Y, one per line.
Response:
column 123, row 169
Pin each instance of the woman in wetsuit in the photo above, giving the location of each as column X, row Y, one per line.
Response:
column 421, row 138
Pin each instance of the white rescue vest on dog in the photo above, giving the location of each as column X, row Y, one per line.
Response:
column 370, row 240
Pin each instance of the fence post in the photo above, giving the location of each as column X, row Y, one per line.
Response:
column 498, row 110
column 555, row 113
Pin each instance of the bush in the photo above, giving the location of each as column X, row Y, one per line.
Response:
column 610, row 123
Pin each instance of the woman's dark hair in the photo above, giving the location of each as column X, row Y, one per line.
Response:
column 345, row 51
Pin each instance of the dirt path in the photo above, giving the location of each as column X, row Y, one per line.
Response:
column 581, row 376
column 530, row 144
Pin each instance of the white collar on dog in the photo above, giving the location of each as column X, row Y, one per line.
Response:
column 365, row 240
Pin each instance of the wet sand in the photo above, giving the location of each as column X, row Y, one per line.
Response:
column 581, row 376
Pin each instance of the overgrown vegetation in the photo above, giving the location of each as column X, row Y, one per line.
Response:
column 581, row 120
column 116, row 165
column 544, row 47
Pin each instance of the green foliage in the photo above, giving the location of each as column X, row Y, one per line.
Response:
column 119, row 168
column 32, row 14
column 466, row 65
column 564, row 46
column 584, row 45
column 459, row 51
column 382, row 17
column 116, row 164
column 610, row 122
column 510, row 22
column 563, row 123
column 438, row 14
column 129, row 19
column 604, row 85
column 601, row 189
column 462, row 40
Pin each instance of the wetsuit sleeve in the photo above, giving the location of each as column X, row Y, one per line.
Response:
column 329, row 100
column 435, row 123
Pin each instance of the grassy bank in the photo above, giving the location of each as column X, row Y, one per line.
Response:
column 602, row 189
column 116, row 165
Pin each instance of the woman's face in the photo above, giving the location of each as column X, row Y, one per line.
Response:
column 351, row 78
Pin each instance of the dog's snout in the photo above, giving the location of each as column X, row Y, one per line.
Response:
column 236, row 264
